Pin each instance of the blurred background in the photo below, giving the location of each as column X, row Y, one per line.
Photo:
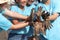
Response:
column 3, row 35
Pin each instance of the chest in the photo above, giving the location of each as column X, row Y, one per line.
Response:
column 25, row 12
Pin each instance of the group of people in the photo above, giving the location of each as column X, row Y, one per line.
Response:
column 20, row 12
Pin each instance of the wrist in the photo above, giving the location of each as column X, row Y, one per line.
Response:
column 27, row 23
column 26, row 17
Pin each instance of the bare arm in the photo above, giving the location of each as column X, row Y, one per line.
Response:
column 14, row 14
column 54, row 16
column 20, row 25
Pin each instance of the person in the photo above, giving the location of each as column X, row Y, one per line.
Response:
column 21, row 8
column 53, row 7
column 5, row 24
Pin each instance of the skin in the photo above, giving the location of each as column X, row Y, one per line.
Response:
column 21, row 3
column 15, row 15
column 55, row 15
column 52, row 17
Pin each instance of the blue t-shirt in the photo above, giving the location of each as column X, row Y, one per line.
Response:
column 30, row 7
column 25, row 12
column 53, row 7
column 5, row 24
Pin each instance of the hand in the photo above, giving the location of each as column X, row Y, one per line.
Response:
column 28, row 19
column 15, row 21
column 45, row 15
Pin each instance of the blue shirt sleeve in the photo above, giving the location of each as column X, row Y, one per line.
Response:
column 4, row 23
column 56, row 7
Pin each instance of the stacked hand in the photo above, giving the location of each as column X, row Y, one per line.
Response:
column 29, row 20
column 45, row 15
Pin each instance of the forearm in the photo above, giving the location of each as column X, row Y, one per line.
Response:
column 54, row 16
column 19, row 26
column 14, row 14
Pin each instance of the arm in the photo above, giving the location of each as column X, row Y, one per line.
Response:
column 14, row 14
column 15, row 21
column 56, row 10
column 20, row 25
column 5, row 24
column 47, row 16
column 54, row 16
